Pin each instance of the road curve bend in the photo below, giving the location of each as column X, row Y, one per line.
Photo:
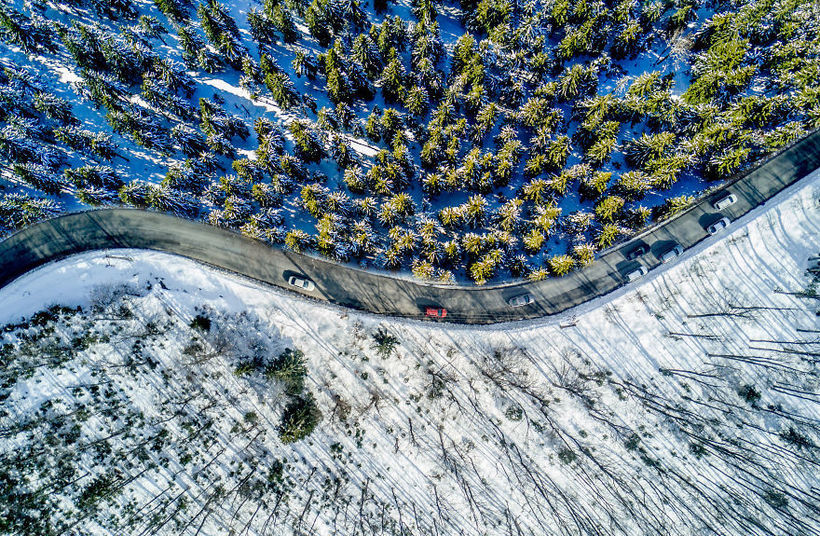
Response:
column 382, row 293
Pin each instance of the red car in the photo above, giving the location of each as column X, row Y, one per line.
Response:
column 435, row 312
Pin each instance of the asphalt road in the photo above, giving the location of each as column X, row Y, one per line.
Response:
column 382, row 293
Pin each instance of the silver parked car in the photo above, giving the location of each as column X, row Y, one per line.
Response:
column 671, row 254
column 521, row 300
column 725, row 201
column 637, row 273
column 304, row 284
column 718, row 226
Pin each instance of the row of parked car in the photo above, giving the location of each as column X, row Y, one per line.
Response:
column 516, row 301
column 636, row 253
column 676, row 250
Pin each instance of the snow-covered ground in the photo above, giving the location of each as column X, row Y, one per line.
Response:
column 689, row 404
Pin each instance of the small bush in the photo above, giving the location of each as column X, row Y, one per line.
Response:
column 567, row 456
column 698, row 450
column 202, row 323
column 384, row 343
column 515, row 413
column 749, row 394
column 793, row 437
column 245, row 368
column 776, row 499
column 632, row 442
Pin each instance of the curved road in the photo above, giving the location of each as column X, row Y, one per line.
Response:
column 381, row 293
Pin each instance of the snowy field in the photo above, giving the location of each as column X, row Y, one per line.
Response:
column 689, row 404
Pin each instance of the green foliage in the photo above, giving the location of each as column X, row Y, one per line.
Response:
column 245, row 368
column 299, row 419
column 561, row 265
column 97, row 176
column 17, row 29
column 797, row 439
column 384, row 343
column 289, row 368
column 201, row 322
column 176, row 10
column 513, row 102
column 750, row 394
column 19, row 210
column 100, row 488
column 672, row 206
column 727, row 163
column 609, row 207
column 567, row 455
column 320, row 22
column 278, row 83
column 392, row 79
column 308, row 146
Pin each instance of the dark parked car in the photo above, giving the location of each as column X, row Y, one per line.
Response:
column 639, row 251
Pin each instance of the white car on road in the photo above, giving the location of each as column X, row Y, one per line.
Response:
column 718, row 226
column 520, row 300
column 725, row 201
column 304, row 284
column 637, row 273
column 671, row 254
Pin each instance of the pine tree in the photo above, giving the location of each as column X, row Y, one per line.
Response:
column 136, row 194
column 308, row 147
column 39, row 177
column 609, row 208
column 290, row 369
column 30, row 36
column 648, row 146
column 366, row 54
column 304, row 65
column 607, row 236
column 297, row 240
column 278, row 83
column 576, row 81
column 96, row 176
column 727, row 163
column 672, row 206
column 594, row 185
column 560, row 265
column 417, row 100
column 632, row 185
column 319, row 22
column 392, row 78
column 486, row 267
column 261, row 27
column 299, row 419
column 285, row 24
column 535, row 191
column 558, row 151
column 19, row 210
column 474, row 210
